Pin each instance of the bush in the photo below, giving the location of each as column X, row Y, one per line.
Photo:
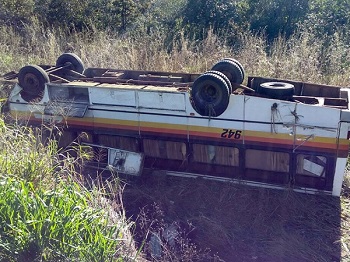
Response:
column 46, row 214
column 57, row 224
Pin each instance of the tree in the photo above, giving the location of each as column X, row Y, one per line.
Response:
column 102, row 14
column 16, row 12
column 220, row 15
column 276, row 17
column 128, row 11
column 67, row 12
column 327, row 17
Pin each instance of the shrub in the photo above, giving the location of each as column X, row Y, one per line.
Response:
column 46, row 214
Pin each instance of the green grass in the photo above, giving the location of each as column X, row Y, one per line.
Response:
column 55, row 224
column 46, row 213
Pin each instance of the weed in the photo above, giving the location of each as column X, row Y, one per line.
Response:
column 46, row 212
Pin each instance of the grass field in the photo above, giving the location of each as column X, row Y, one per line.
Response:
column 211, row 221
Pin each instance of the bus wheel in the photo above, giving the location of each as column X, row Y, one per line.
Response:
column 32, row 79
column 237, row 63
column 210, row 95
column 70, row 59
column 229, row 69
column 227, row 81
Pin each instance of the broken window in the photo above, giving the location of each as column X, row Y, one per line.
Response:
column 125, row 162
column 311, row 165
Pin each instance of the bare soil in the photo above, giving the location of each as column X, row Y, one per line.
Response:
column 217, row 221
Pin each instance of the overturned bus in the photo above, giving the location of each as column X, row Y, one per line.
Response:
column 270, row 132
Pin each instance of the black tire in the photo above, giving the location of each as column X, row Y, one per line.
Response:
column 277, row 90
column 231, row 70
column 227, row 81
column 88, row 72
column 210, row 95
column 237, row 63
column 32, row 79
column 71, row 59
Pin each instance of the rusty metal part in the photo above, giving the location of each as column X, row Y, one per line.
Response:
column 59, row 78
column 48, row 69
column 235, row 85
column 10, row 75
column 115, row 80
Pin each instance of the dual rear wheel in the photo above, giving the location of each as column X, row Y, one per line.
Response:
column 210, row 93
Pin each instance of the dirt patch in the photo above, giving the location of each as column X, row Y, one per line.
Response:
column 228, row 222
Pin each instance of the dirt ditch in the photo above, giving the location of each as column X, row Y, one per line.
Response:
column 216, row 221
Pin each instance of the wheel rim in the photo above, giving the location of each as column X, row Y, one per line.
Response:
column 210, row 94
column 31, row 81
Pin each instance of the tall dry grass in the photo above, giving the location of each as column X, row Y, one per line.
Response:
column 302, row 57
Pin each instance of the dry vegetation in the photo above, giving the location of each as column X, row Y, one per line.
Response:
column 239, row 223
column 236, row 223
column 302, row 57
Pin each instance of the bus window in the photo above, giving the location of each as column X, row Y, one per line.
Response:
column 267, row 160
column 220, row 155
column 310, row 165
column 312, row 170
column 119, row 142
column 164, row 149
